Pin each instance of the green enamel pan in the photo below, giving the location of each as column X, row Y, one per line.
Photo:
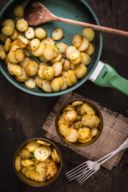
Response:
column 99, row 72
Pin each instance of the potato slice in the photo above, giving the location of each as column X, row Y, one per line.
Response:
column 41, row 168
column 25, row 154
column 91, row 121
column 18, row 163
column 41, row 142
column 77, row 103
column 7, row 45
column 42, row 153
column 39, row 52
column 14, row 69
column 66, row 65
column 87, row 109
column 14, row 36
column 40, row 33
column 77, row 40
column 30, row 83
column 72, row 53
column 85, row 58
column 30, row 33
column 84, row 133
column 57, row 34
column 27, row 162
column 84, row 45
column 8, row 31
column 31, row 146
column 2, row 53
column 31, row 68
column 49, row 42
column 22, row 25
column 19, row 55
column 23, row 77
column 80, row 71
column 55, row 156
column 22, row 41
column 70, row 116
column 48, row 73
column 94, row 132
column 73, row 136
column 89, row 34
column 9, row 23
column 64, row 129
column 19, row 11
column 48, row 53
column 61, row 47
column 90, row 50
column 58, row 68
column 51, row 170
column 34, row 44
column 57, row 59
column 71, row 78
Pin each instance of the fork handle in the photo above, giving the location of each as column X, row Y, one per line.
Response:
column 93, row 26
column 104, row 159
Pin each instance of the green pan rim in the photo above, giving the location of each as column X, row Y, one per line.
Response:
column 71, row 88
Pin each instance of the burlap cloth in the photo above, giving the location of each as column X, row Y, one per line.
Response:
column 115, row 131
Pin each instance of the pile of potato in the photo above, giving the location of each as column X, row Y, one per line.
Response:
column 38, row 161
column 37, row 60
column 79, row 122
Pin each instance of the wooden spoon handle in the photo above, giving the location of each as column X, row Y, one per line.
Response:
column 95, row 27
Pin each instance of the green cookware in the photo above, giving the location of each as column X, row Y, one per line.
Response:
column 100, row 73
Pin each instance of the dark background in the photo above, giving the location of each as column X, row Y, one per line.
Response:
column 22, row 115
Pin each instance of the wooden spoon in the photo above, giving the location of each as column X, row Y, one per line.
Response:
column 37, row 14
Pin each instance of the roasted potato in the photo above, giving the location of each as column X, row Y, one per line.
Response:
column 22, row 25
column 40, row 33
column 19, row 11
column 58, row 34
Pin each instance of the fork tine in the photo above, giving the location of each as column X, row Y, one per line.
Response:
column 76, row 168
column 75, row 175
column 85, row 178
column 84, row 174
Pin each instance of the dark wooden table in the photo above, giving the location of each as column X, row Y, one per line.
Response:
column 22, row 115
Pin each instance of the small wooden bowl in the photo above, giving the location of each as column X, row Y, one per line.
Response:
column 28, row 181
column 100, row 128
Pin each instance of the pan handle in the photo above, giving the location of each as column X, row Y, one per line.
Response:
column 105, row 76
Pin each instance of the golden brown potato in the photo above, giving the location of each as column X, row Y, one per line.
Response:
column 22, row 25
column 84, row 45
column 55, row 156
column 7, row 45
column 19, row 11
column 84, row 134
column 85, row 58
column 94, row 132
column 23, row 77
column 77, row 40
column 3, row 38
column 66, row 65
column 72, row 53
column 22, row 41
column 14, row 69
column 8, row 31
column 31, row 68
column 2, row 53
column 90, row 49
column 57, row 59
column 9, row 23
column 30, row 83
column 48, row 73
column 73, row 136
column 70, row 116
column 40, row 33
column 27, row 162
column 62, row 47
column 89, row 34
column 34, row 44
column 80, row 71
column 31, row 146
column 87, row 109
column 18, row 163
column 91, row 121
column 42, row 153
column 19, row 55
column 49, row 42
column 39, row 51
column 51, row 170
column 71, row 78
column 58, row 68
column 57, row 34
column 14, row 36
column 58, row 84
column 25, row 154
column 48, row 53
column 30, row 33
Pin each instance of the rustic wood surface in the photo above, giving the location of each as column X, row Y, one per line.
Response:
column 22, row 115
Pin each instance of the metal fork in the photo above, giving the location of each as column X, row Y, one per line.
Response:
column 85, row 170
